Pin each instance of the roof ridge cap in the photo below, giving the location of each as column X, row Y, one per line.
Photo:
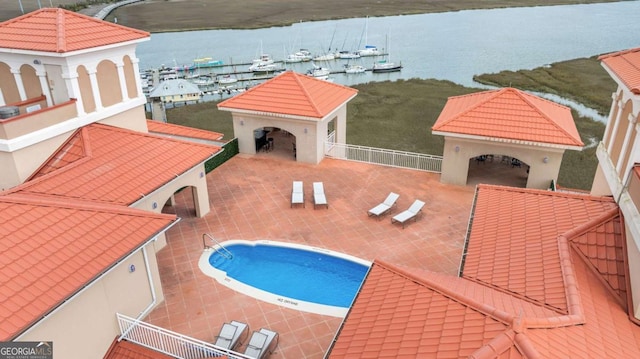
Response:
column 148, row 134
column 525, row 96
column 469, row 109
column 496, row 346
column 61, row 41
column 618, row 53
column 481, row 307
column 30, row 182
column 306, row 93
column 85, row 150
column 602, row 218
column 603, row 199
column 45, row 201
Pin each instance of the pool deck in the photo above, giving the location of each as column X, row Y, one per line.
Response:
column 250, row 199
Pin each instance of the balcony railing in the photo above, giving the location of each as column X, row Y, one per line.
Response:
column 43, row 117
column 170, row 343
column 385, row 157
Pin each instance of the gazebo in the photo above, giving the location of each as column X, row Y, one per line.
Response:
column 306, row 109
column 505, row 124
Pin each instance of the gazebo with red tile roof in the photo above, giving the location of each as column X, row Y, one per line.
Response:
column 506, row 123
column 303, row 106
column 543, row 275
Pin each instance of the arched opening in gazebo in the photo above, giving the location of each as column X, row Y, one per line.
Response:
column 498, row 169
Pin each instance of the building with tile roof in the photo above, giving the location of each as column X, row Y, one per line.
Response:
column 619, row 155
column 543, row 275
column 85, row 179
column 176, row 91
column 505, row 123
column 309, row 109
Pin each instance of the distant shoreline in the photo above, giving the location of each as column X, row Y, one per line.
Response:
column 192, row 15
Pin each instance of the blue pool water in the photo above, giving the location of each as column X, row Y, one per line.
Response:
column 300, row 274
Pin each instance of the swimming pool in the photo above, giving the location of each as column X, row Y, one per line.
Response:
column 292, row 275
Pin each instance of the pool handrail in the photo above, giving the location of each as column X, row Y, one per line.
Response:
column 225, row 253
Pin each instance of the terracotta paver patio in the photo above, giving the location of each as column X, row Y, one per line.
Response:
column 250, row 199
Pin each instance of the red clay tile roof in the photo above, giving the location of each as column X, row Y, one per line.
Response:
column 158, row 127
column 292, row 94
column 51, row 248
column 107, row 164
column 626, row 66
column 397, row 314
column 505, row 249
column 417, row 313
column 127, row 350
column 58, row 30
column 601, row 245
column 509, row 114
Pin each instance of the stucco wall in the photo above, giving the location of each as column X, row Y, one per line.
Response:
column 19, row 165
column 457, row 152
column 133, row 119
column 195, row 180
column 85, row 326
column 310, row 134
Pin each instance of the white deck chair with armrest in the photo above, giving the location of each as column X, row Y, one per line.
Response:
column 297, row 193
column 261, row 343
column 385, row 206
column 319, row 199
column 231, row 334
column 411, row 213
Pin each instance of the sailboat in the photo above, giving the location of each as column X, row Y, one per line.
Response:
column 386, row 65
column 369, row 50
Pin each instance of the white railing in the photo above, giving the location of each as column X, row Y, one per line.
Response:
column 168, row 342
column 380, row 156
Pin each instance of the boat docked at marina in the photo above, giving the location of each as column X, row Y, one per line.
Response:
column 319, row 71
column 299, row 56
column 386, row 66
column 325, row 57
column 348, row 55
column 369, row 50
column 354, row 69
column 200, row 63
column 264, row 64
column 226, row 80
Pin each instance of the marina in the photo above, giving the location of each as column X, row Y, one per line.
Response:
column 451, row 46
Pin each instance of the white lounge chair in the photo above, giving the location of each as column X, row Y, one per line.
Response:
column 262, row 343
column 411, row 213
column 230, row 334
column 297, row 193
column 385, row 206
column 319, row 199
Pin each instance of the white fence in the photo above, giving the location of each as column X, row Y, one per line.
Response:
column 380, row 156
column 170, row 343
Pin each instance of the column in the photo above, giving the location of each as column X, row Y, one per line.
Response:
column 18, row 78
column 95, row 88
column 606, row 137
column 614, row 130
column 625, row 145
column 73, row 89
column 631, row 160
column 123, row 82
column 44, row 86
column 136, row 74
